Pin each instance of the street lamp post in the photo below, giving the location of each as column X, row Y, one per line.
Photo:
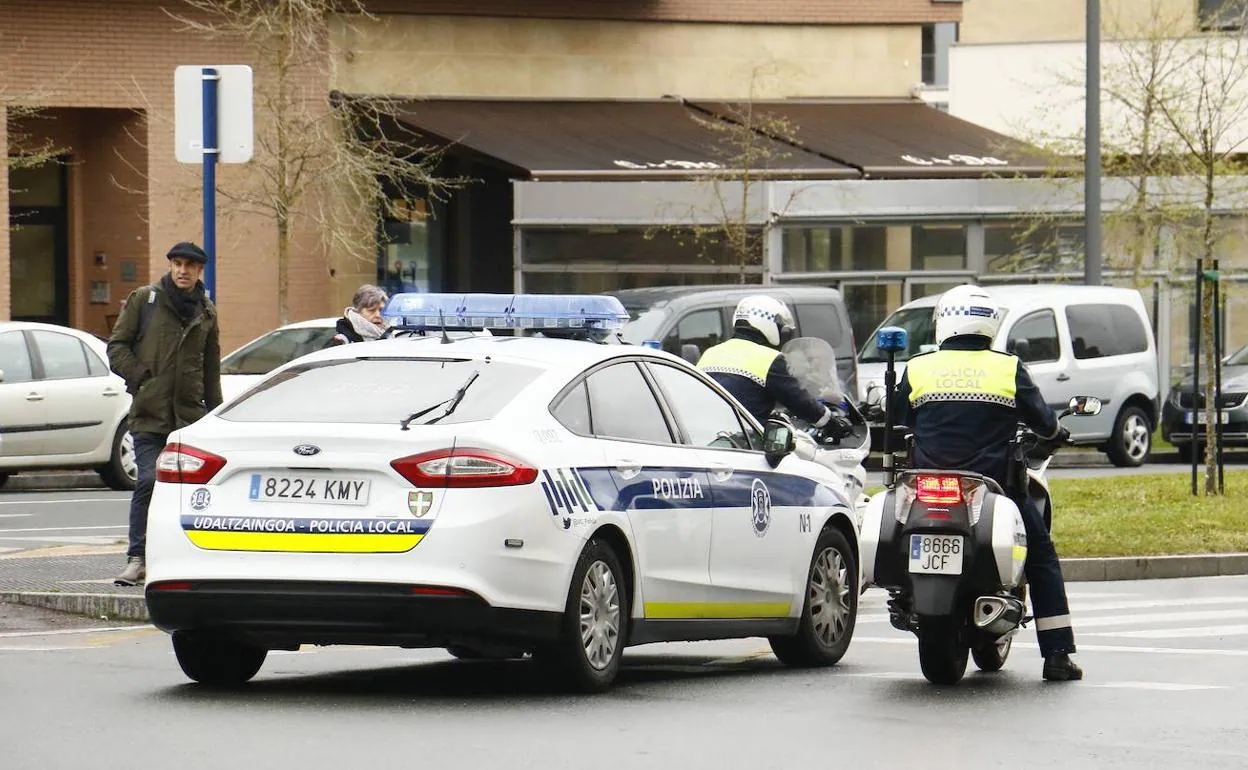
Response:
column 1092, row 148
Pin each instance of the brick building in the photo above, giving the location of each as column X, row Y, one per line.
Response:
column 91, row 228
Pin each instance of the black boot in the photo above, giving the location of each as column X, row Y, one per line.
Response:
column 1060, row 668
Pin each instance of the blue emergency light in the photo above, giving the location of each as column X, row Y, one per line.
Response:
column 891, row 339
column 592, row 314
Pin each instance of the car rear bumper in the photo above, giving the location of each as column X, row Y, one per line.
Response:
column 284, row 614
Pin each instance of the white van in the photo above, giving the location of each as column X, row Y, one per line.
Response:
column 1075, row 340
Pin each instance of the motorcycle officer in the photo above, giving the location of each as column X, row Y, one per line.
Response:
column 962, row 403
column 751, row 367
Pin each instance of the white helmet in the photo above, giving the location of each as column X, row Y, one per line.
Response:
column 767, row 315
column 966, row 310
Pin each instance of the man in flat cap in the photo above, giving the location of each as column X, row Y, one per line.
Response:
column 166, row 345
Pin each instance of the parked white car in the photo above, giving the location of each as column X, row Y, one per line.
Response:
column 249, row 364
column 60, row 406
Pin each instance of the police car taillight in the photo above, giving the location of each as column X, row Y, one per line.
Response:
column 463, row 467
column 184, row 464
column 938, row 490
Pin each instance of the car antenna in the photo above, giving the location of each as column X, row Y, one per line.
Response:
column 446, row 338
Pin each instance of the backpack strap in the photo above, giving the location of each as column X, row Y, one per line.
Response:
column 145, row 312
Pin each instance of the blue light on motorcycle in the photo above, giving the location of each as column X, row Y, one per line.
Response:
column 891, row 339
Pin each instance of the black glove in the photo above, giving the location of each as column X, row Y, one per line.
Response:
column 838, row 427
column 1063, row 436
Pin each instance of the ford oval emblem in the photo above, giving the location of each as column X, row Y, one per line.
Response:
column 307, row 450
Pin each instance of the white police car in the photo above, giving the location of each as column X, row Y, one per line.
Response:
column 496, row 496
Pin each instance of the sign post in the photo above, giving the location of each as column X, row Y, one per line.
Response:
column 213, row 124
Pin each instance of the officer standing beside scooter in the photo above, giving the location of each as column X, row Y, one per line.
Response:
column 963, row 403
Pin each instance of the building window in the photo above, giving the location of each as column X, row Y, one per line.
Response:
column 937, row 40
column 1040, row 247
column 1222, row 14
column 836, row 248
column 405, row 263
column 938, row 247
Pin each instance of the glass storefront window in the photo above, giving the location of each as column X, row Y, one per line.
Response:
column 834, row 248
column 404, row 264
column 658, row 246
column 1039, row 247
column 938, row 247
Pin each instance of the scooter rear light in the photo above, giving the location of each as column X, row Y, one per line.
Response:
column 938, row 490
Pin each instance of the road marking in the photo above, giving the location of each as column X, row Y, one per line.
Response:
column 58, row 529
column 66, row 502
column 1203, row 601
column 1085, row 647
column 70, row 631
column 1164, row 686
column 14, row 515
column 40, row 649
column 1163, row 617
column 1178, row 633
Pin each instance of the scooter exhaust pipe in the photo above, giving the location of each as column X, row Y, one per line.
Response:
column 998, row 614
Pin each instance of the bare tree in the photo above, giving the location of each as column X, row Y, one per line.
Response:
column 320, row 161
column 1206, row 110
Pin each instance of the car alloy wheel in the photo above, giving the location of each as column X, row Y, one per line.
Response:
column 129, row 464
column 829, row 597
column 600, row 615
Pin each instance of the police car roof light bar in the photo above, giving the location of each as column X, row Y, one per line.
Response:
column 595, row 315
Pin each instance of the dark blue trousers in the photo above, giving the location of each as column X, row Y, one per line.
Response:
column 147, row 448
column 1047, row 588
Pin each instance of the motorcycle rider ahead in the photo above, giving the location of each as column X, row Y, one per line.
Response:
column 751, row 367
column 962, row 403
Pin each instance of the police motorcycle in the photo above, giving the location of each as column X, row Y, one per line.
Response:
column 812, row 362
column 949, row 546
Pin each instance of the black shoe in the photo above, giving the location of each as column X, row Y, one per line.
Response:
column 1060, row 668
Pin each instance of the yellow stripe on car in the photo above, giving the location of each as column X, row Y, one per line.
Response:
column 715, row 610
column 287, row 542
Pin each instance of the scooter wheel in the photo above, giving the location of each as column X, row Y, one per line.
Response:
column 942, row 653
column 991, row 657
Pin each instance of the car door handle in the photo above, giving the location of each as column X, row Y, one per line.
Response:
column 720, row 472
column 111, row 392
column 1063, row 377
column 34, row 396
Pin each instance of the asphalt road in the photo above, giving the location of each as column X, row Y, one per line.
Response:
column 1166, row 663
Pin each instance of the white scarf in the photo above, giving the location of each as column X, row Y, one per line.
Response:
column 363, row 327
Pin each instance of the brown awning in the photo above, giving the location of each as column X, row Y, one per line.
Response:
column 574, row 139
column 896, row 138
column 663, row 139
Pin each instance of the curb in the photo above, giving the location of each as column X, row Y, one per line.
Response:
column 1154, row 567
column 110, row 606
column 32, row 482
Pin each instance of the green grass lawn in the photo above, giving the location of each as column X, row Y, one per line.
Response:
column 1147, row 516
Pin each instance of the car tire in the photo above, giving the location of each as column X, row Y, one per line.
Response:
column 1132, row 440
column 121, row 473
column 217, row 660
column 830, row 609
column 597, row 598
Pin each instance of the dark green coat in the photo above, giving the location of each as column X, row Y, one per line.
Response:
column 174, row 371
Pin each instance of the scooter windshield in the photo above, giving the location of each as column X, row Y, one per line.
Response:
column 812, row 361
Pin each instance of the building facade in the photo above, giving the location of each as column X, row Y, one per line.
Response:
column 89, row 228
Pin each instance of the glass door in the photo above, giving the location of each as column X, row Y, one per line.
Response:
column 39, row 244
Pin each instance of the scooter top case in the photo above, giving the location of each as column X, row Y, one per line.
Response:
column 953, row 529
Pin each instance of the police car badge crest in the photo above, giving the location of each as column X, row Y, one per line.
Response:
column 200, row 499
column 419, row 502
column 760, row 507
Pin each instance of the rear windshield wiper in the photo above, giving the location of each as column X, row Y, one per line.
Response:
column 449, row 403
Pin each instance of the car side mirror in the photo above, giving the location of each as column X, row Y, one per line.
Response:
column 1084, row 406
column 690, row 352
column 778, row 441
column 928, row 348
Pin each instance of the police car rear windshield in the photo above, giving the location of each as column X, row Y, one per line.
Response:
column 381, row 391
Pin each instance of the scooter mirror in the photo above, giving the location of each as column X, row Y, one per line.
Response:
column 1085, row 406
